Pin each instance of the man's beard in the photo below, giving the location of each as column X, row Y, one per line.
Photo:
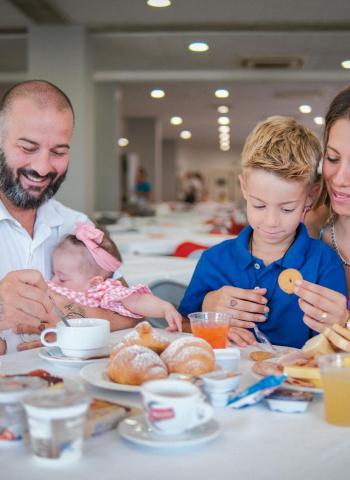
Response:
column 13, row 190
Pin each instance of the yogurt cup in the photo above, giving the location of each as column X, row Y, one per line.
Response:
column 56, row 425
column 13, row 422
column 227, row 358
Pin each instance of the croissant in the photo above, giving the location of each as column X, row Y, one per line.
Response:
column 145, row 335
column 189, row 355
column 135, row 364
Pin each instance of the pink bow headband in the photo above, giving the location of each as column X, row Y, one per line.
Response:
column 92, row 238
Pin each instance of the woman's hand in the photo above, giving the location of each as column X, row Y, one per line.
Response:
column 322, row 306
column 246, row 306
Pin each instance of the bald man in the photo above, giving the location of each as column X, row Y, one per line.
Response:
column 36, row 128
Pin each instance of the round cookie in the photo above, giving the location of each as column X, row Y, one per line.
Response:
column 287, row 279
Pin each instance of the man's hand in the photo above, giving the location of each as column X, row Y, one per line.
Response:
column 24, row 300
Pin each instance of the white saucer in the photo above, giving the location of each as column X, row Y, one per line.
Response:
column 136, row 430
column 54, row 354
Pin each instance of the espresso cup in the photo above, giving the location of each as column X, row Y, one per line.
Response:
column 85, row 337
column 173, row 406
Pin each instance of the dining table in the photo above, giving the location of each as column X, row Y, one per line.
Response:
column 254, row 443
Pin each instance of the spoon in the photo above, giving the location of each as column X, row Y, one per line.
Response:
column 263, row 339
column 59, row 313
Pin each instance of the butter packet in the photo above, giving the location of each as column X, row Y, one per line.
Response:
column 256, row 392
column 104, row 416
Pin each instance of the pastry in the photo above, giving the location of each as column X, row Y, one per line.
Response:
column 135, row 364
column 287, row 279
column 145, row 335
column 189, row 355
column 260, row 355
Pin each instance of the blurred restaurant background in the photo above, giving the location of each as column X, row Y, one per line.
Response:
column 165, row 96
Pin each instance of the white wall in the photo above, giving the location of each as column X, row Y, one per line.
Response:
column 213, row 165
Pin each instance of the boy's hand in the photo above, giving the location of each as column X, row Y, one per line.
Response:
column 241, row 337
column 246, row 306
column 173, row 317
column 321, row 306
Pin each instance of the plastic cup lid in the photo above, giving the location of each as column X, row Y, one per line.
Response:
column 56, row 404
column 15, row 387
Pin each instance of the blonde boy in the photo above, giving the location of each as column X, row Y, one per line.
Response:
column 279, row 166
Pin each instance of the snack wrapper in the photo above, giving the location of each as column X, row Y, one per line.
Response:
column 257, row 391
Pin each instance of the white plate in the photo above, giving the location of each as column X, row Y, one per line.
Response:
column 136, row 430
column 69, row 361
column 96, row 375
column 296, row 388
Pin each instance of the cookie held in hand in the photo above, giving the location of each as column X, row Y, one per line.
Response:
column 287, row 279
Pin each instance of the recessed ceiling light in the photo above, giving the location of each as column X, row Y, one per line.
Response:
column 319, row 120
column 185, row 134
column 224, row 137
column 345, row 64
column 222, row 93
column 198, row 47
column 223, row 109
column 305, row 109
column 176, row 120
column 224, row 129
column 224, row 148
column 159, row 3
column 123, row 142
column 223, row 120
column 157, row 93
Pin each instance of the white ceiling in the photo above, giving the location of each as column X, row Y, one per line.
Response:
column 141, row 47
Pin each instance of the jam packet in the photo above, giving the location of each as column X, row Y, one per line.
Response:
column 257, row 391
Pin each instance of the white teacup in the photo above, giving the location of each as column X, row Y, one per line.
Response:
column 173, row 406
column 85, row 337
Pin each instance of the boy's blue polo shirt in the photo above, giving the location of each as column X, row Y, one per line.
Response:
column 230, row 263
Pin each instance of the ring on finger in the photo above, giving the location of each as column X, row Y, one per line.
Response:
column 324, row 316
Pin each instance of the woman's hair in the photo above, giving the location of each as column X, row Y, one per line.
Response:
column 91, row 266
column 338, row 109
column 283, row 146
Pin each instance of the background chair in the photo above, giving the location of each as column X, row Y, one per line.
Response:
column 168, row 290
column 185, row 249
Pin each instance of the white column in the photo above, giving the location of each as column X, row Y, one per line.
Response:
column 61, row 55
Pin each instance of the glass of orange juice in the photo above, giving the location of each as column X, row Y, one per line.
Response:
column 211, row 326
column 335, row 374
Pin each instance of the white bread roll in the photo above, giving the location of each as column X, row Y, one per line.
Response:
column 318, row 345
column 339, row 337
column 135, row 364
column 189, row 355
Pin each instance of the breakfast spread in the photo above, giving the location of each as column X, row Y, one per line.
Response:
column 301, row 366
column 287, row 279
column 144, row 354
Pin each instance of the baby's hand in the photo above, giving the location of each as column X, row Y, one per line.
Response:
column 173, row 317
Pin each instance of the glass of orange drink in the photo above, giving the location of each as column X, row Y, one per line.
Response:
column 211, row 326
column 335, row 374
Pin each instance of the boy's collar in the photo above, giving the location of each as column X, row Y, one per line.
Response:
column 294, row 258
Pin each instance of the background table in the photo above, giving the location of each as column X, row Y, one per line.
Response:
column 149, row 269
column 255, row 444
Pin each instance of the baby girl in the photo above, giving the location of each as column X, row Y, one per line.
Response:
column 83, row 266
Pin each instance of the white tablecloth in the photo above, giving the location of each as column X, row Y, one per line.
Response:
column 149, row 269
column 255, row 444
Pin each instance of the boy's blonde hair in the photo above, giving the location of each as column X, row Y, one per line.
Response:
column 283, row 146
